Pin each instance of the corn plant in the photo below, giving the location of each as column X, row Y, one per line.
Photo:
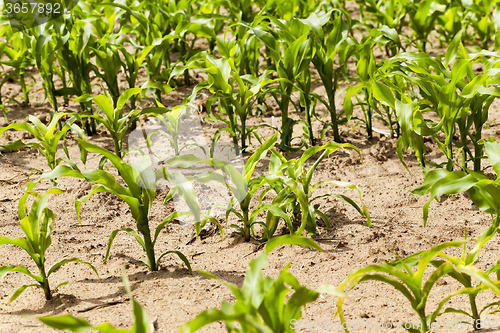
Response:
column 294, row 189
column 171, row 127
column 114, row 120
column 196, row 27
column 479, row 16
column 368, row 77
column 289, row 64
column 236, row 104
column 108, row 59
column 459, row 97
column 465, row 274
column 423, row 16
column 261, row 303
column 379, row 13
column 451, row 22
column 76, row 40
column 43, row 46
column 73, row 324
column 19, row 58
column 48, row 137
column 483, row 192
column 289, row 32
column 243, row 47
column 244, row 185
column 138, row 194
column 131, row 64
column 481, row 189
column 37, row 226
column 149, row 34
column 326, row 49
column 400, row 275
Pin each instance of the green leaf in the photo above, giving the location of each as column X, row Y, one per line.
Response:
column 330, row 290
column 19, row 291
column 12, row 268
column 493, row 152
column 181, row 256
column 127, row 230
column 56, row 266
column 66, row 322
column 291, row 240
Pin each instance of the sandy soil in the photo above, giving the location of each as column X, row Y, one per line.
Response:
column 172, row 296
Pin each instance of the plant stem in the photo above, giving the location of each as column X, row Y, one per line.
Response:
column 369, row 129
column 118, row 150
column 247, row 227
column 463, row 143
column 478, row 149
column 143, row 227
column 23, row 87
column 309, row 120
column 150, row 251
column 285, row 120
column 423, row 320
column 232, row 121
column 45, row 282
column 64, row 84
column 475, row 314
column 333, row 109
column 243, row 134
column 449, row 153
column 183, row 53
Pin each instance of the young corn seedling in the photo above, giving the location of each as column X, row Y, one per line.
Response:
column 73, row 324
column 108, row 59
column 464, row 274
column 460, row 98
column 261, row 303
column 411, row 284
column 294, row 190
column 48, row 137
column 326, row 49
column 289, row 64
column 485, row 25
column 18, row 52
column 368, row 77
column 244, row 49
column 131, row 64
column 76, row 40
column 423, row 16
column 481, row 189
column 173, row 123
column 290, row 32
column 43, row 47
column 451, row 23
column 139, row 194
column 236, row 104
column 379, row 12
column 150, row 33
column 244, row 185
column 115, row 122
column 186, row 27
column 483, row 193
column 37, row 226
